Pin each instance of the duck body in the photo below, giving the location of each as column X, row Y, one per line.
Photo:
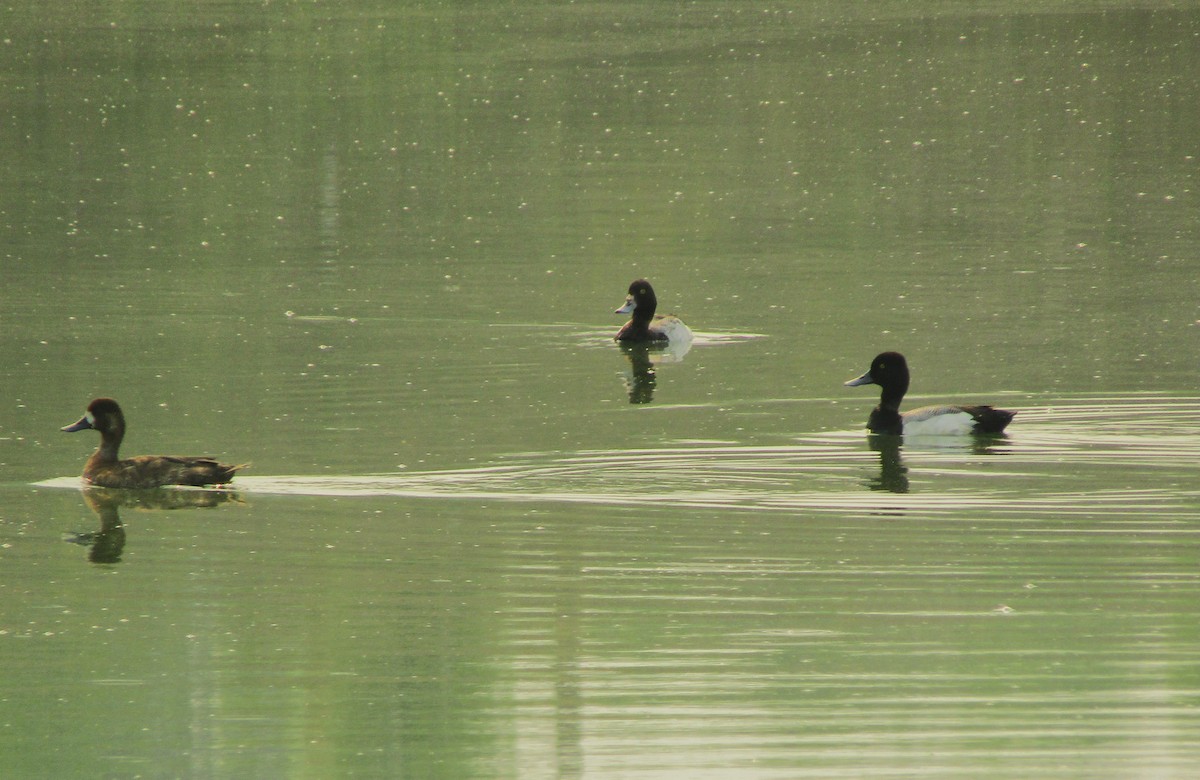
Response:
column 947, row 420
column 889, row 370
column 106, row 469
column 644, row 325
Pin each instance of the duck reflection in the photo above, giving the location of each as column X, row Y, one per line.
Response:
column 893, row 474
column 644, row 358
column 641, row 379
column 107, row 544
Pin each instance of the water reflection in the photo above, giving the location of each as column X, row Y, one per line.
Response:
column 641, row 380
column 644, row 357
column 654, row 615
column 106, row 544
column 893, row 474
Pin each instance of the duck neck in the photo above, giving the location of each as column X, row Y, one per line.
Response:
column 637, row 327
column 643, row 314
column 110, row 443
column 890, row 397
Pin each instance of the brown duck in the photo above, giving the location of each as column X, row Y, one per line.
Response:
column 105, row 469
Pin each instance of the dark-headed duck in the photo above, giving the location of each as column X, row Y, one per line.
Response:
column 889, row 370
column 643, row 326
column 105, row 469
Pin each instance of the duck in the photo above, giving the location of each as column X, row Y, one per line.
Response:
column 643, row 325
column 105, row 469
column 889, row 370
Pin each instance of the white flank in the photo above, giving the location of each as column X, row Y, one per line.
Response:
column 938, row 421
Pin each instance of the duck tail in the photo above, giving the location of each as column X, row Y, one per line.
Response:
column 990, row 420
column 227, row 471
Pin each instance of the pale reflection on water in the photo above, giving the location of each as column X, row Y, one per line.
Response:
column 765, row 608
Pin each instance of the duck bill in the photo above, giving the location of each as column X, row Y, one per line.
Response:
column 83, row 424
column 628, row 307
column 865, row 379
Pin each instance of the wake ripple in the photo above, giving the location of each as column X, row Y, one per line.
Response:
column 1089, row 441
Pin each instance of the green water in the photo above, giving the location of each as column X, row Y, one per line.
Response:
column 375, row 250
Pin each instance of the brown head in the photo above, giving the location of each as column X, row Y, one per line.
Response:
column 103, row 415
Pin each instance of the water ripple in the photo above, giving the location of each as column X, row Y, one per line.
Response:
column 1088, row 441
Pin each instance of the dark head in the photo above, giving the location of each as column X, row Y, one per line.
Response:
column 889, row 370
column 640, row 302
column 103, row 415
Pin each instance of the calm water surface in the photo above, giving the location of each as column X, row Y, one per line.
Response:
column 375, row 252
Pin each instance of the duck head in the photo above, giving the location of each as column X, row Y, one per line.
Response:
column 640, row 299
column 888, row 370
column 103, row 415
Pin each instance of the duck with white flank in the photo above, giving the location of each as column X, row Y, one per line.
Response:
column 643, row 325
column 889, row 370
